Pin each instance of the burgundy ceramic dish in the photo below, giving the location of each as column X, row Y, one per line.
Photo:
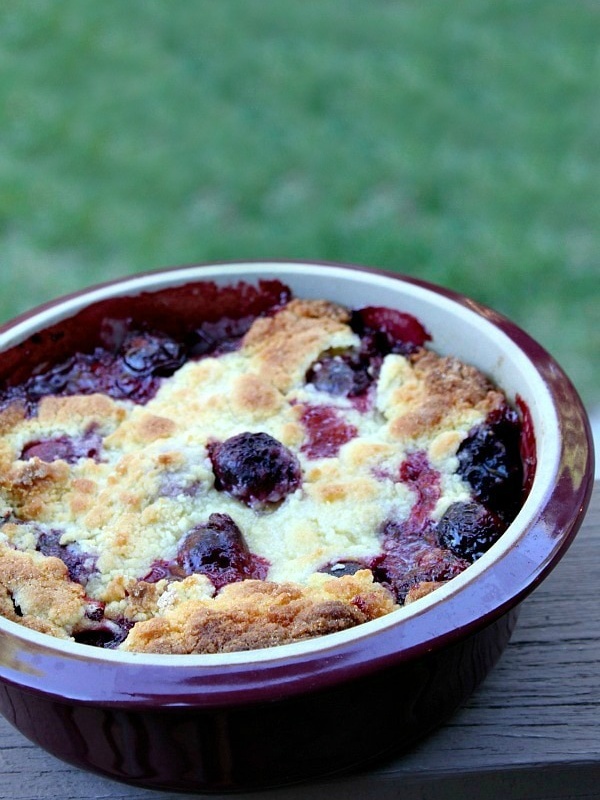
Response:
column 263, row 718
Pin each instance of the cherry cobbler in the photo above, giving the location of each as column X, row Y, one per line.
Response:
column 274, row 470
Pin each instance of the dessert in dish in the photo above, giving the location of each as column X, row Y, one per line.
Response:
column 284, row 469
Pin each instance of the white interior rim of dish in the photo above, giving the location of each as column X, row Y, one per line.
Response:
column 535, row 394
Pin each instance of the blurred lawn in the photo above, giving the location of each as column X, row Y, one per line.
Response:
column 453, row 141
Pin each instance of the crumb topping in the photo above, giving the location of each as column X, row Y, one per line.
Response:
column 256, row 614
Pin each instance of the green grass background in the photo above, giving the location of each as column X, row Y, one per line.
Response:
column 455, row 141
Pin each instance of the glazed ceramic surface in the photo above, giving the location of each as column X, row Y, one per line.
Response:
column 269, row 717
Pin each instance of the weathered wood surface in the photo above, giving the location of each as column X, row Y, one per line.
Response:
column 531, row 732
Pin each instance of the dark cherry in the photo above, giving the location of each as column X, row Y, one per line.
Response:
column 64, row 448
column 382, row 331
column 343, row 375
column 79, row 564
column 143, row 359
column 385, row 330
column 490, row 461
column 152, row 354
column 326, row 432
column 469, row 529
column 255, row 468
column 218, row 550
column 416, row 549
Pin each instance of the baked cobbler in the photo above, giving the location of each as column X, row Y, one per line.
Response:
column 285, row 470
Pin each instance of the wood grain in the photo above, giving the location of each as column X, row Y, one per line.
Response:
column 530, row 732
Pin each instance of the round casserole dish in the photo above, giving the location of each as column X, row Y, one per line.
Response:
column 263, row 718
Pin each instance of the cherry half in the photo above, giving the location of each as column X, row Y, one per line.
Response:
column 218, row 550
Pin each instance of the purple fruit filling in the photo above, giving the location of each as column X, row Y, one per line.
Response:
column 385, row 330
column 104, row 633
column 79, row 564
column 411, row 556
column 164, row 570
column 133, row 372
column 411, row 553
column 64, row 448
column 218, row 550
column 255, row 468
column 527, row 446
column 326, row 432
column 417, row 549
column 222, row 336
column 417, row 473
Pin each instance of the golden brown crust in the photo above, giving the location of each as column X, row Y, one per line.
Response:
column 253, row 394
column 34, row 485
column 151, row 427
column 11, row 416
column 422, row 589
column 257, row 614
column 79, row 410
column 36, row 591
column 439, row 391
